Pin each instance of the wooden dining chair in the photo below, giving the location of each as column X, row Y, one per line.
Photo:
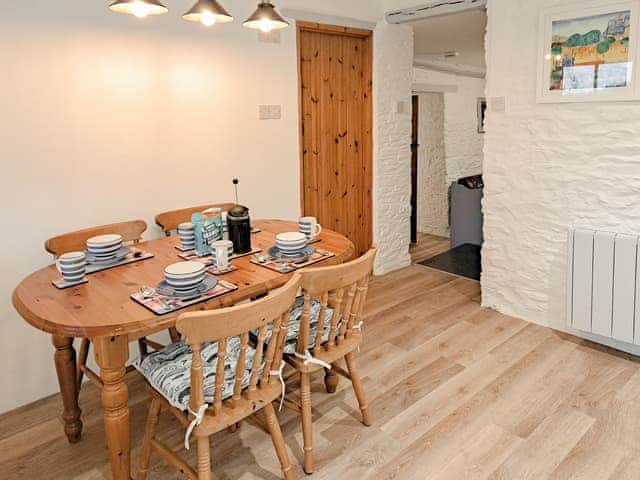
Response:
column 169, row 221
column 131, row 232
column 207, row 391
column 332, row 302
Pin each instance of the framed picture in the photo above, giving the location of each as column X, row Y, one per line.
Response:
column 482, row 112
column 588, row 52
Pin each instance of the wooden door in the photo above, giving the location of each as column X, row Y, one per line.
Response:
column 336, row 123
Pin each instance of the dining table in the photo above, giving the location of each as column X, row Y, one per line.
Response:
column 102, row 310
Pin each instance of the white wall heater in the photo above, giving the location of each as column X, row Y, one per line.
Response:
column 604, row 284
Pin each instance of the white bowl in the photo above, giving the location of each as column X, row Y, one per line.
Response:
column 184, row 269
column 186, row 284
column 104, row 251
column 290, row 237
column 72, row 258
column 102, row 241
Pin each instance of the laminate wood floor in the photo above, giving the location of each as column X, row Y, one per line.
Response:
column 456, row 391
column 428, row 246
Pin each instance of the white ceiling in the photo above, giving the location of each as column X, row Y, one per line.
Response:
column 462, row 32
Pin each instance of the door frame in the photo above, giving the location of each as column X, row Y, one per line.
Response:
column 415, row 143
column 367, row 35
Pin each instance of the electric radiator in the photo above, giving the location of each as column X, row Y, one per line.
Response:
column 603, row 284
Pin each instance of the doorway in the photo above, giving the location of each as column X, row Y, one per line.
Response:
column 335, row 78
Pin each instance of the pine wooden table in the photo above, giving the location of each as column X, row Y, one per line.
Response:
column 103, row 311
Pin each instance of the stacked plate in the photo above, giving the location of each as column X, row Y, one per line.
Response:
column 72, row 266
column 187, row 233
column 185, row 277
column 105, row 248
column 291, row 244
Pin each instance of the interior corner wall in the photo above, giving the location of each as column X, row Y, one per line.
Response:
column 433, row 192
column 547, row 168
column 393, row 79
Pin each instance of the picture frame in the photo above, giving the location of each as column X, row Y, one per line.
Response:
column 588, row 52
column 482, row 113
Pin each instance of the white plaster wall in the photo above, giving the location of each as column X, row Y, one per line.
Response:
column 433, row 201
column 547, row 168
column 393, row 77
column 463, row 143
column 104, row 117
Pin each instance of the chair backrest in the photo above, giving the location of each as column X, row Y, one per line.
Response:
column 342, row 288
column 76, row 241
column 169, row 221
column 238, row 321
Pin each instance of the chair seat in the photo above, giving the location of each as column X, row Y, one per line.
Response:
column 168, row 371
column 294, row 325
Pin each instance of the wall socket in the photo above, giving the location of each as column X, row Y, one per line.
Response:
column 269, row 112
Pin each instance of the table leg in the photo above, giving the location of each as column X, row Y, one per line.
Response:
column 111, row 355
column 65, row 361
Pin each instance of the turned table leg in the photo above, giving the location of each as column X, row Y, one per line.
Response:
column 65, row 361
column 111, row 355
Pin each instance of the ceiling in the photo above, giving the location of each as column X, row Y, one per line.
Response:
column 461, row 32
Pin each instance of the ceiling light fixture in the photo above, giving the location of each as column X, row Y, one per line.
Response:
column 266, row 18
column 208, row 13
column 139, row 8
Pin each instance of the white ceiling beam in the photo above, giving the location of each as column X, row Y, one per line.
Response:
column 433, row 9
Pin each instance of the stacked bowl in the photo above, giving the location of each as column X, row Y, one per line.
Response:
column 185, row 277
column 104, row 248
column 72, row 266
column 187, row 233
column 291, row 244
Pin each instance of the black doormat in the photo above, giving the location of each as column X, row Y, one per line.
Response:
column 463, row 261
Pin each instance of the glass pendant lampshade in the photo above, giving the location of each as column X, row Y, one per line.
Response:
column 266, row 18
column 208, row 12
column 139, row 8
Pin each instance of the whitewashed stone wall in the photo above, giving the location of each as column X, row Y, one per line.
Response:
column 433, row 196
column 393, row 78
column 463, row 143
column 547, row 168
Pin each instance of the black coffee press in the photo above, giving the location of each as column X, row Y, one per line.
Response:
column 239, row 225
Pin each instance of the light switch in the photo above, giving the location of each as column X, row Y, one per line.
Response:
column 498, row 104
column 270, row 112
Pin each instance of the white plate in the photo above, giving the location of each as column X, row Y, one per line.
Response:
column 104, row 240
column 184, row 269
column 118, row 255
column 184, row 279
column 185, row 285
column 104, row 251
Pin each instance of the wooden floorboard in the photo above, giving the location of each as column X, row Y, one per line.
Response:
column 455, row 391
column 428, row 246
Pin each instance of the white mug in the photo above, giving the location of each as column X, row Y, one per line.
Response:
column 310, row 227
column 220, row 252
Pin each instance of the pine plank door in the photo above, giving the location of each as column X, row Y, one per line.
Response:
column 336, row 128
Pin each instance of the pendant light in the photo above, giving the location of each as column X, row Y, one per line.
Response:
column 139, row 8
column 208, row 13
column 266, row 18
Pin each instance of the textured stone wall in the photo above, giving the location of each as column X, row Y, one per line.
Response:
column 463, row 143
column 393, row 79
column 547, row 168
column 433, row 201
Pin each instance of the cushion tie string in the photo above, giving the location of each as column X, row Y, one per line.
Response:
column 308, row 358
column 279, row 374
column 360, row 327
column 199, row 416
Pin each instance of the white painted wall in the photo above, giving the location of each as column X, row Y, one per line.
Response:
column 547, row 168
column 104, row 117
column 433, row 191
column 463, row 143
column 393, row 77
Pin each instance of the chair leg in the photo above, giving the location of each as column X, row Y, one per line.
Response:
column 331, row 380
column 357, row 388
column 149, row 435
column 174, row 334
column 204, row 458
column 278, row 441
column 83, row 353
column 307, row 421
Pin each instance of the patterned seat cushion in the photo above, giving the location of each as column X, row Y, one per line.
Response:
column 294, row 325
column 169, row 370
